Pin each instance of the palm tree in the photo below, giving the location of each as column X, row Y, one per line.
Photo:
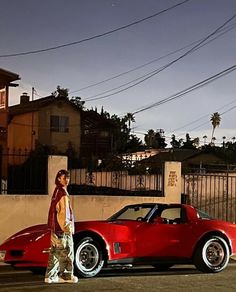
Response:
column 129, row 117
column 215, row 121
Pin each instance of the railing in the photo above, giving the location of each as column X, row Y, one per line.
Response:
column 23, row 172
column 115, row 183
column 214, row 193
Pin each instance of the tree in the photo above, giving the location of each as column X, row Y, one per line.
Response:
column 204, row 137
column 124, row 141
column 155, row 139
column 149, row 138
column 213, row 141
column 129, row 117
column 61, row 92
column 215, row 121
column 190, row 143
column 174, row 143
column 78, row 102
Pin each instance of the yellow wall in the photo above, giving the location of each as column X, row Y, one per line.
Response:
column 20, row 131
column 60, row 140
column 20, row 128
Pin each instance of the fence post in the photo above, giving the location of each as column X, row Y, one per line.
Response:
column 55, row 163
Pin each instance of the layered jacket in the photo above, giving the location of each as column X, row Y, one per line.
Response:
column 60, row 216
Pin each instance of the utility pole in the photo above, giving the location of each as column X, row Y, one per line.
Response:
column 32, row 121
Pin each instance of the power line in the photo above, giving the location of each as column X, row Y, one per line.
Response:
column 96, row 36
column 189, row 89
column 204, row 116
column 224, row 31
column 155, row 72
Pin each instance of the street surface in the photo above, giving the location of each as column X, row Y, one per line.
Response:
column 179, row 278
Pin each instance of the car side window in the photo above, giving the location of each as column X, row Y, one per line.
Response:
column 172, row 215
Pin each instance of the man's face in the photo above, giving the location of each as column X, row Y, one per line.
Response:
column 64, row 180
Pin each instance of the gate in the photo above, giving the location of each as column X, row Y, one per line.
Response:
column 213, row 193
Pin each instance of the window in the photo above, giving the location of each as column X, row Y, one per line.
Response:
column 59, row 124
column 2, row 98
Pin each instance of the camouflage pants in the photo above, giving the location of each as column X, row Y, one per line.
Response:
column 61, row 257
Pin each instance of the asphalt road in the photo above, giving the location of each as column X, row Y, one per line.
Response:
column 179, row 278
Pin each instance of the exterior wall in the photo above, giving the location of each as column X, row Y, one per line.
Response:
column 21, row 211
column 56, row 139
column 23, row 124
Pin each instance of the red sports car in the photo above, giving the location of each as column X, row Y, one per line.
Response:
column 160, row 235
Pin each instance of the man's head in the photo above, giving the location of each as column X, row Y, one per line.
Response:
column 62, row 177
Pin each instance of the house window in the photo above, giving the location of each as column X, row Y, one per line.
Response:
column 2, row 98
column 59, row 124
column 104, row 134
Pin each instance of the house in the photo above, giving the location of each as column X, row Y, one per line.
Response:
column 6, row 79
column 190, row 158
column 58, row 123
column 52, row 121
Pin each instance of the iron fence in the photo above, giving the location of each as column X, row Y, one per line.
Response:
column 23, row 172
column 214, row 193
column 115, row 183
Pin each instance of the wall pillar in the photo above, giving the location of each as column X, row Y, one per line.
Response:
column 172, row 181
column 55, row 163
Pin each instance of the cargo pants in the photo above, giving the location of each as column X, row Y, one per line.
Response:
column 61, row 257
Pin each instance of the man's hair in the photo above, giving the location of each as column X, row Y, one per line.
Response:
column 60, row 173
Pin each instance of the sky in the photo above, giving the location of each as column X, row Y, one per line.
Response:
column 128, row 56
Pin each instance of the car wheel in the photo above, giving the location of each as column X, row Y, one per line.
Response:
column 88, row 257
column 212, row 255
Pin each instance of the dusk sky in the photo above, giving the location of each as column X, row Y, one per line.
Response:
column 128, row 55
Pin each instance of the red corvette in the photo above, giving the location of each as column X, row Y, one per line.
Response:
column 160, row 235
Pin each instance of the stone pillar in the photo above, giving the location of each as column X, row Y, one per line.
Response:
column 55, row 163
column 172, row 181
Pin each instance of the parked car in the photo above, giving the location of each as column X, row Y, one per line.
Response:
column 161, row 235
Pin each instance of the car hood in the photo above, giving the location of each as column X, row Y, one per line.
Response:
column 25, row 236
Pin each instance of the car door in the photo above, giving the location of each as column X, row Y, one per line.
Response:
column 165, row 236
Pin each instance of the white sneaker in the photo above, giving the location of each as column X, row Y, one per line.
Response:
column 50, row 281
column 73, row 279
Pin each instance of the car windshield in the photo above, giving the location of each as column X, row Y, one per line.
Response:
column 132, row 213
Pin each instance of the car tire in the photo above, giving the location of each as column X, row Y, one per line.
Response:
column 212, row 255
column 88, row 257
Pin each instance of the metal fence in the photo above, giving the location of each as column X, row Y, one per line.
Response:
column 115, row 183
column 23, row 172
column 214, row 193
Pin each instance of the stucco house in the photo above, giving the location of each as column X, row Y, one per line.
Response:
column 52, row 121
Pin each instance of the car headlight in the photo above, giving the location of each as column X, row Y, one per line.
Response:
column 2, row 255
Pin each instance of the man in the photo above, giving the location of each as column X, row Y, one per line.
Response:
column 61, row 224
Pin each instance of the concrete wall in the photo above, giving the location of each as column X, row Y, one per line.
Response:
column 20, row 211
